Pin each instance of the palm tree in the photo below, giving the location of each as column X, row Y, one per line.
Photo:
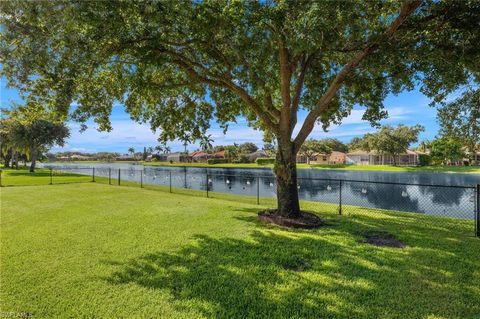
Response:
column 131, row 151
column 206, row 143
column 186, row 139
column 162, row 149
column 424, row 146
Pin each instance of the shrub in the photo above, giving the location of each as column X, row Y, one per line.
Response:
column 212, row 161
column 241, row 159
column 424, row 159
column 264, row 161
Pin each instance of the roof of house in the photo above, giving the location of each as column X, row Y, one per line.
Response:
column 177, row 154
column 410, row 152
column 219, row 154
column 337, row 153
column 199, row 154
column 358, row 152
column 258, row 152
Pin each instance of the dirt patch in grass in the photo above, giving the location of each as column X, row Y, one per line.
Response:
column 306, row 220
column 383, row 239
column 297, row 265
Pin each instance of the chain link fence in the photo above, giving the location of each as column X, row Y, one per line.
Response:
column 440, row 205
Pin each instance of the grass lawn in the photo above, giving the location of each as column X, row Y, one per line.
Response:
column 391, row 168
column 93, row 250
column 22, row 177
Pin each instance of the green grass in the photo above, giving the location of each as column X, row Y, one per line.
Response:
column 22, row 177
column 391, row 168
column 92, row 250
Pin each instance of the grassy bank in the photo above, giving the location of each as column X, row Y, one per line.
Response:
column 387, row 168
column 93, row 250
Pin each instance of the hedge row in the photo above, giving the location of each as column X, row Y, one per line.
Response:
column 265, row 161
column 212, row 161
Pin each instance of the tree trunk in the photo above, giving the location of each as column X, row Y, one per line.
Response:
column 34, row 161
column 8, row 158
column 15, row 159
column 286, row 173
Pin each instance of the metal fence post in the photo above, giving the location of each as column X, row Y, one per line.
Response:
column 185, row 176
column 258, row 190
column 93, row 174
column 109, row 176
column 170, row 181
column 141, row 179
column 340, row 200
column 477, row 212
column 207, row 182
column 119, row 177
column 51, row 176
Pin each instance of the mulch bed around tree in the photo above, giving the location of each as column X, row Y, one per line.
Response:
column 383, row 239
column 305, row 221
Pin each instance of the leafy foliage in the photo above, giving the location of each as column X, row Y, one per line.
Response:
column 460, row 119
column 177, row 64
column 393, row 140
column 32, row 131
column 446, row 150
column 247, row 148
column 312, row 147
column 335, row 145
column 265, row 161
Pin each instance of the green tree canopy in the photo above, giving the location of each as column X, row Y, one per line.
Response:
column 393, row 141
column 178, row 64
column 247, row 148
column 460, row 119
column 35, row 132
column 358, row 143
column 335, row 144
column 446, row 150
column 312, row 147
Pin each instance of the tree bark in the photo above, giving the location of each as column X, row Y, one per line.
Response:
column 286, row 173
column 15, row 159
column 33, row 162
column 8, row 158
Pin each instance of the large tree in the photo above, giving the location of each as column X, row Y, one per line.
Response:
column 177, row 64
column 34, row 131
column 335, row 144
column 311, row 147
column 393, row 141
column 460, row 119
column 446, row 150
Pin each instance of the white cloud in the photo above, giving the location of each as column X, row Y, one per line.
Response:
column 126, row 133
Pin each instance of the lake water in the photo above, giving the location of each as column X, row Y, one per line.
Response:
column 441, row 194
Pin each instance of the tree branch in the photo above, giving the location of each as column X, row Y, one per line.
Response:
column 405, row 10
column 298, row 90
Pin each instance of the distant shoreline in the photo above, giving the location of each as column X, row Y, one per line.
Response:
column 386, row 168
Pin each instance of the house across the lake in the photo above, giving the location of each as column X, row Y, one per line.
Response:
column 179, row 157
column 321, row 158
column 252, row 157
column 200, row 157
column 361, row 157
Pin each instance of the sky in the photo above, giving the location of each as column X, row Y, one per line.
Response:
column 408, row 108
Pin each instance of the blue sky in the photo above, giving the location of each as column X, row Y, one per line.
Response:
column 408, row 108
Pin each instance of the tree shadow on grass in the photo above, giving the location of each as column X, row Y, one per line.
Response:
column 277, row 274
